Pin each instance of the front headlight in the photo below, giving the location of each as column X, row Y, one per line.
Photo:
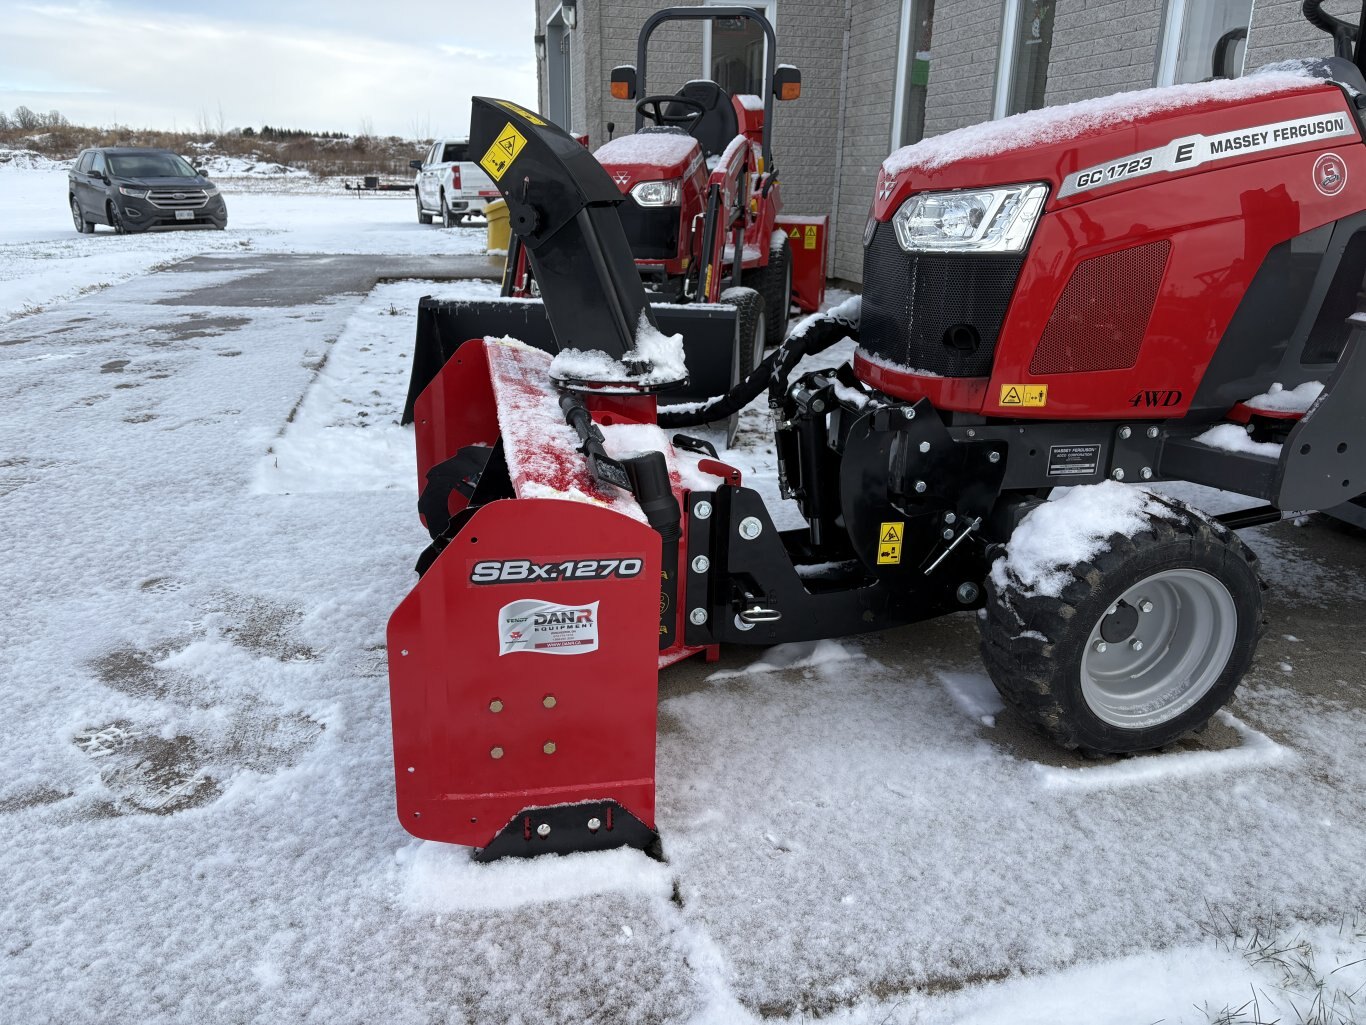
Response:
column 210, row 190
column 665, row 193
column 980, row 220
column 135, row 193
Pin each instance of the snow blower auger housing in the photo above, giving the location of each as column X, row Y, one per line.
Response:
column 1083, row 297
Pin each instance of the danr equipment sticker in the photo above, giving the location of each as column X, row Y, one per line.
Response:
column 530, row 624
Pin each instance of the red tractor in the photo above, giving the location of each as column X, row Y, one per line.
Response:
column 1159, row 286
column 700, row 185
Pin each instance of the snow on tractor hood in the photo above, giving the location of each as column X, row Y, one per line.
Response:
column 1054, row 144
column 647, row 154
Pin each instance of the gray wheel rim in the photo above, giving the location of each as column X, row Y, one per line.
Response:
column 1187, row 626
column 76, row 214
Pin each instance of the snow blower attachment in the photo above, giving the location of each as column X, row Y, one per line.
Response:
column 1149, row 289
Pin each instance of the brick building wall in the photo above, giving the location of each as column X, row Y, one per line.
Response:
column 1279, row 31
column 874, row 34
column 1103, row 46
column 963, row 72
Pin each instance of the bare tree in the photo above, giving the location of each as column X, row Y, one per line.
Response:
column 26, row 119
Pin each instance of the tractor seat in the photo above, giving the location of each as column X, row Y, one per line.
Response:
column 718, row 125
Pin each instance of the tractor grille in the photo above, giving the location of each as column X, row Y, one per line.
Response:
column 1103, row 313
column 939, row 312
column 652, row 231
column 177, row 199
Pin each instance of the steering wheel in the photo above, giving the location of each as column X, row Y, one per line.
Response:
column 652, row 107
column 1344, row 33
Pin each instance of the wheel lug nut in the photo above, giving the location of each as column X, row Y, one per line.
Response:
column 1101, row 647
column 1136, row 644
column 1145, row 605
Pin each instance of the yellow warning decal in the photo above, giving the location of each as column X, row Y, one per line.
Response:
column 795, row 234
column 1024, row 395
column 503, row 152
column 810, row 236
column 521, row 110
column 889, row 543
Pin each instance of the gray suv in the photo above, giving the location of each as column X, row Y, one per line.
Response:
column 134, row 190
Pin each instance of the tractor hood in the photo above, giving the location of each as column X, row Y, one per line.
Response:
column 1099, row 147
column 650, row 156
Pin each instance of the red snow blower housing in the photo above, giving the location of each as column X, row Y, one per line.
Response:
column 1105, row 292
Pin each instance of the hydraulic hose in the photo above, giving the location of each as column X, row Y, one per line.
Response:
column 814, row 334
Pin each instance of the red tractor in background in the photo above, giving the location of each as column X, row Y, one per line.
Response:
column 700, row 186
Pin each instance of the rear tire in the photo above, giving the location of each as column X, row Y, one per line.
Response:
column 774, row 283
column 1185, row 589
column 422, row 216
column 449, row 219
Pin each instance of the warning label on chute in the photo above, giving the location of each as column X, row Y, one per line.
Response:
column 529, row 624
column 503, row 152
column 889, row 541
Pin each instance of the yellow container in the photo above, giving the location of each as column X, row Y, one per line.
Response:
column 500, row 233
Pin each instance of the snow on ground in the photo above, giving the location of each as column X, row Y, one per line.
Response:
column 43, row 259
column 201, row 549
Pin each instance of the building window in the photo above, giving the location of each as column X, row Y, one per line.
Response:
column 1026, row 39
column 912, row 72
column 733, row 49
column 1203, row 39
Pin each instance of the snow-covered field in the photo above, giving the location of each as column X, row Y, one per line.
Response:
column 43, row 259
column 208, row 515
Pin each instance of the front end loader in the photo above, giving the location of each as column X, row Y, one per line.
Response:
column 1154, row 287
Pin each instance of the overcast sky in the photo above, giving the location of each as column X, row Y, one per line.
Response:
column 396, row 67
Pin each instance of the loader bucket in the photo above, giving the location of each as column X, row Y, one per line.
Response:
column 523, row 666
column 709, row 340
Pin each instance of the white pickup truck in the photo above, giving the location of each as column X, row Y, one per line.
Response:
column 450, row 185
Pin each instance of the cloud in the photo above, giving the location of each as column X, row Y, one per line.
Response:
column 341, row 66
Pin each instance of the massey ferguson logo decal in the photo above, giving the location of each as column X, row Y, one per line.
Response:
column 885, row 187
column 1194, row 150
column 542, row 627
column 1330, row 174
column 621, row 178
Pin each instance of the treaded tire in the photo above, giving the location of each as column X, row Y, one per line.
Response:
column 422, row 216
column 1033, row 645
column 774, row 283
column 749, row 348
column 115, row 219
column 449, row 218
column 78, row 218
column 752, row 316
